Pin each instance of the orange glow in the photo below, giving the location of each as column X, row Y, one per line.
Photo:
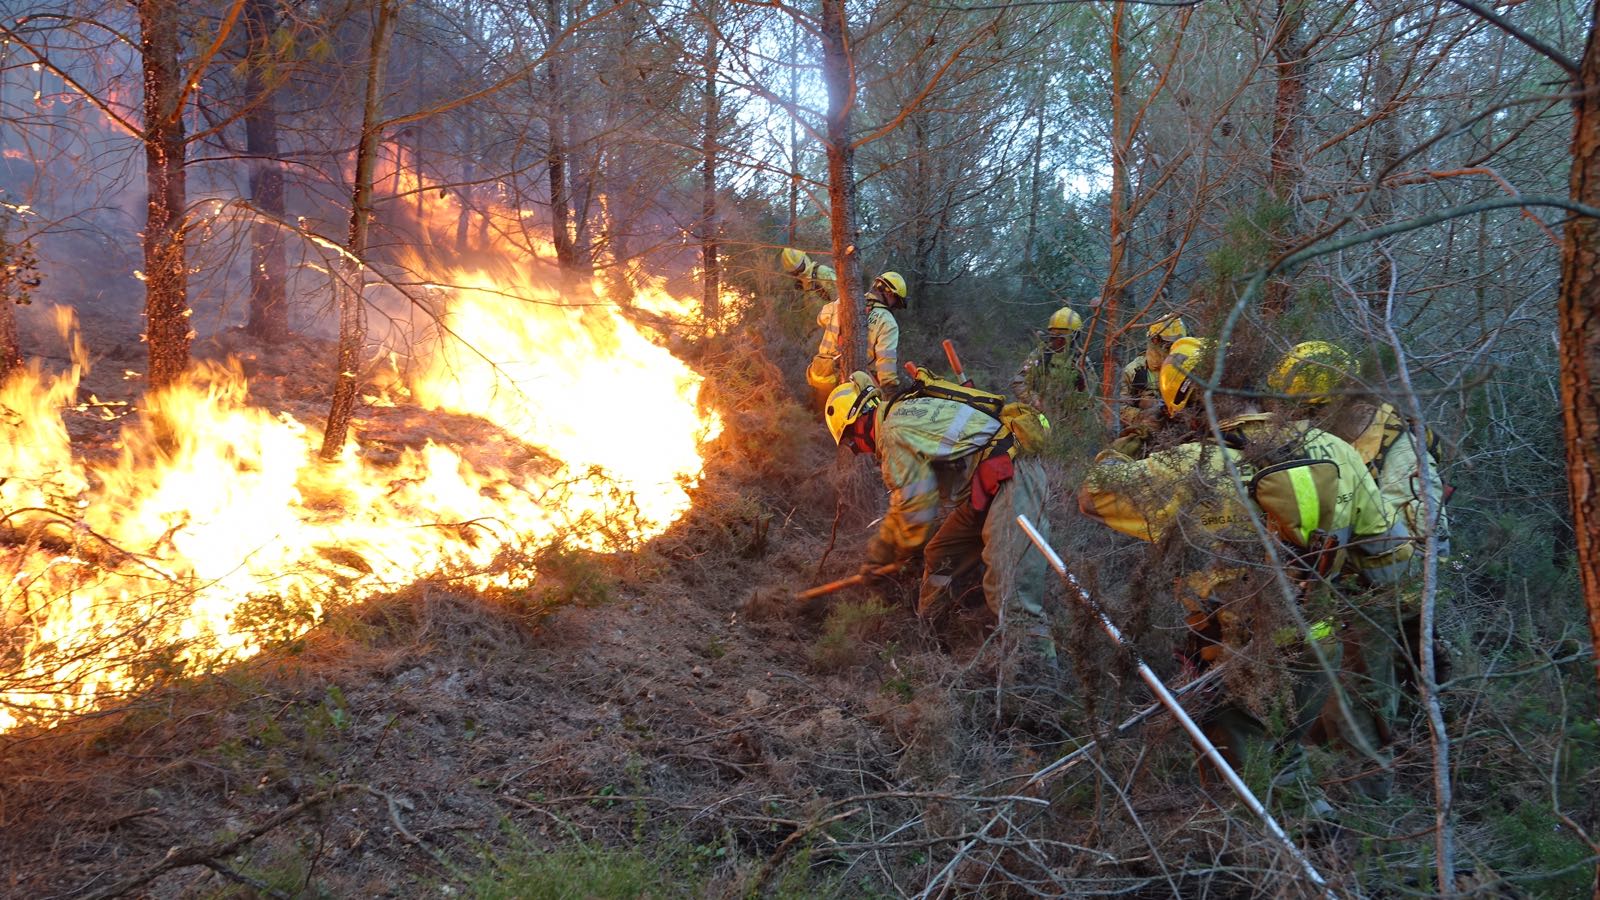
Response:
column 216, row 529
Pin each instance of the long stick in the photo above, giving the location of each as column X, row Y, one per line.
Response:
column 1165, row 696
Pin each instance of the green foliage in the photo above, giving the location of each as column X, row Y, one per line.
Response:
column 1533, row 841
column 845, row 632
column 571, row 576
column 579, row 871
column 1247, row 239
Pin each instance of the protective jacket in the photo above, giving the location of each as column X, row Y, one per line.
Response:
column 817, row 279
column 883, row 344
column 1046, row 376
column 929, row 450
column 1383, row 438
column 1140, row 391
column 1188, row 487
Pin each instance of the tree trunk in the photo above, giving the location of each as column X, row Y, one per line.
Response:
column 269, row 305
column 1579, row 324
column 1385, row 159
column 839, row 76
column 560, row 200
column 352, row 303
column 1111, row 295
column 1289, row 54
column 1035, row 193
column 10, row 346
column 166, row 275
column 711, row 269
column 794, row 143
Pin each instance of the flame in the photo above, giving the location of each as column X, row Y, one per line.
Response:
column 217, row 529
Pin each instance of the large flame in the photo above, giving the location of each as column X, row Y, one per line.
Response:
column 216, row 528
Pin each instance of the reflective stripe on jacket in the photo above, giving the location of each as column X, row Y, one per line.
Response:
column 928, row 448
column 883, row 339
column 1188, row 486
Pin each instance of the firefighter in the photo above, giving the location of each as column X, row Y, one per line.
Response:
column 883, row 339
column 933, row 449
column 1384, row 640
column 1311, row 374
column 1326, row 519
column 1040, row 379
column 811, row 278
column 1139, row 390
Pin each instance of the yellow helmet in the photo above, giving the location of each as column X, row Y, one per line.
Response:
column 894, row 281
column 1183, row 360
column 852, row 399
column 1312, row 370
column 1167, row 329
column 1065, row 321
column 794, row 261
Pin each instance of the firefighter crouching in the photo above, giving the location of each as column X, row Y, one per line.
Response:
column 932, row 449
column 1382, row 640
column 1140, row 393
column 1322, row 509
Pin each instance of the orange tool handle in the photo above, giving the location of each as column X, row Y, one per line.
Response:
column 955, row 363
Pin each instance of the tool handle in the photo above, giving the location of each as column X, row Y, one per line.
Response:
column 955, row 363
column 836, row 586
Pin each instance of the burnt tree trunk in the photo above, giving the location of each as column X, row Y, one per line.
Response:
column 166, row 278
column 712, row 278
column 1579, row 324
column 839, row 76
column 352, row 303
column 269, row 305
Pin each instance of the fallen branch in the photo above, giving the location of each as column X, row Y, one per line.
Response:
column 208, row 854
column 770, row 867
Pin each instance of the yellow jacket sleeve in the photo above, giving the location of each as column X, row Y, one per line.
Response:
column 1185, row 486
column 883, row 344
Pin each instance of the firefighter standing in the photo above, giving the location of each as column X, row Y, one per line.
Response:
column 883, row 339
column 1056, row 366
column 932, row 449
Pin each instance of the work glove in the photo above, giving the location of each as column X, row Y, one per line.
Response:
column 1131, row 440
column 880, row 553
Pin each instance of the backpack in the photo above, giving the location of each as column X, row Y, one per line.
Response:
column 1298, row 495
column 1025, row 425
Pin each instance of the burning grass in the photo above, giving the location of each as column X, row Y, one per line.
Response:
column 210, row 528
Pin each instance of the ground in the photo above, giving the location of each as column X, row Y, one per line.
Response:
column 654, row 723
